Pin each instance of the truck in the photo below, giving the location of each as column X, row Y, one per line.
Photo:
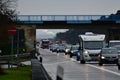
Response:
column 90, row 46
column 113, row 43
column 45, row 44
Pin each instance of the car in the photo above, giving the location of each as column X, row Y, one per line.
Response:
column 67, row 49
column 61, row 48
column 117, row 47
column 119, row 62
column 73, row 50
column 108, row 56
column 54, row 48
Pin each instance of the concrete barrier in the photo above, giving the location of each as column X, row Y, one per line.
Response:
column 60, row 73
column 38, row 71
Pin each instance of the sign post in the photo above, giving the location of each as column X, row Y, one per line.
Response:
column 12, row 32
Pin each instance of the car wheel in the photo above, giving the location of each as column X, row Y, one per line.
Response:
column 118, row 67
column 82, row 61
column 77, row 58
column 100, row 64
column 70, row 55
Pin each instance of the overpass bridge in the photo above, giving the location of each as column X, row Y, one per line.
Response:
column 39, row 19
column 68, row 21
column 97, row 22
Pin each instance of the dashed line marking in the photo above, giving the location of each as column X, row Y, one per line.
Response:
column 104, row 69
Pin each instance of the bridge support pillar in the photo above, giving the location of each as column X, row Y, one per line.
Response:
column 30, row 36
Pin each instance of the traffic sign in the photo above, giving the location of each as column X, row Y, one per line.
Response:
column 12, row 30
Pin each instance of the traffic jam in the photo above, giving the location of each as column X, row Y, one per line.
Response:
column 91, row 47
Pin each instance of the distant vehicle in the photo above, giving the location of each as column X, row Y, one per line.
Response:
column 114, row 43
column 45, row 44
column 90, row 46
column 118, row 48
column 119, row 62
column 61, row 48
column 73, row 50
column 54, row 47
column 67, row 49
column 108, row 56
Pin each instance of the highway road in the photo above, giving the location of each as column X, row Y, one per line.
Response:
column 73, row 70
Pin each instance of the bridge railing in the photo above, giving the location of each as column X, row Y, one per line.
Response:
column 59, row 17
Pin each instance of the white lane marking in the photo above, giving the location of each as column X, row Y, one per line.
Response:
column 72, row 59
column 104, row 69
column 56, row 63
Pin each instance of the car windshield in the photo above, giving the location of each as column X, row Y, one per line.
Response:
column 93, row 44
column 74, row 48
column 117, row 47
column 109, row 51
column 68, row 47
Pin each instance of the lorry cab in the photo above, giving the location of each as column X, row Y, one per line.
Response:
column 113, row 43
column 91, row 45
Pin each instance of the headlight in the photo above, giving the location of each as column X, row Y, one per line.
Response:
column 102, row 57
column 86, row 52
column 66, row 50
column 72, row 52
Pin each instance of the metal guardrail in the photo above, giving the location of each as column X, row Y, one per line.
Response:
column 38, row 71
column 83, row 19
column 119, row 58
column 58, row 17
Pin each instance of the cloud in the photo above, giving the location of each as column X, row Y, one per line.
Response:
column 48, row 33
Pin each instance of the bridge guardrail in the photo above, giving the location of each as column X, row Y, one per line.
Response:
column 58, row 17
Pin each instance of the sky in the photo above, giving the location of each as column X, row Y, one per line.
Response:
column 48, row 33
column 66, row 7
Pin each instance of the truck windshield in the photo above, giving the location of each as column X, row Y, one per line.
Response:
column 93, row 44
column 114, row 44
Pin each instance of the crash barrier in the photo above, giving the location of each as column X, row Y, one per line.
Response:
column 38, row 71
column 60, row 73
column 6, row 57
column 119, row 62
column 40, row 59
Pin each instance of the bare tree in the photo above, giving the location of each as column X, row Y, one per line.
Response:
column 7, row 12
column 8, row 8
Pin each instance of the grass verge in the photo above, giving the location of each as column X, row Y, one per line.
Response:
column 22, row 73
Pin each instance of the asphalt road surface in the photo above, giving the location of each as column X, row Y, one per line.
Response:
column 73, row 70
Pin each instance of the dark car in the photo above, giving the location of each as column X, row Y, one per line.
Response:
column 67, row 49
column 54, row 47
column 61, row 48
column 108, row 56
column 73, row 50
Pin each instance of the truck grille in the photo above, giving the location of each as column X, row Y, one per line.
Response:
column 93, row 55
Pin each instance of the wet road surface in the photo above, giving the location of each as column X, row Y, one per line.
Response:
column 73, row 70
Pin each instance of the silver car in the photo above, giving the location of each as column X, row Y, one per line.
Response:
column 108, row 56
